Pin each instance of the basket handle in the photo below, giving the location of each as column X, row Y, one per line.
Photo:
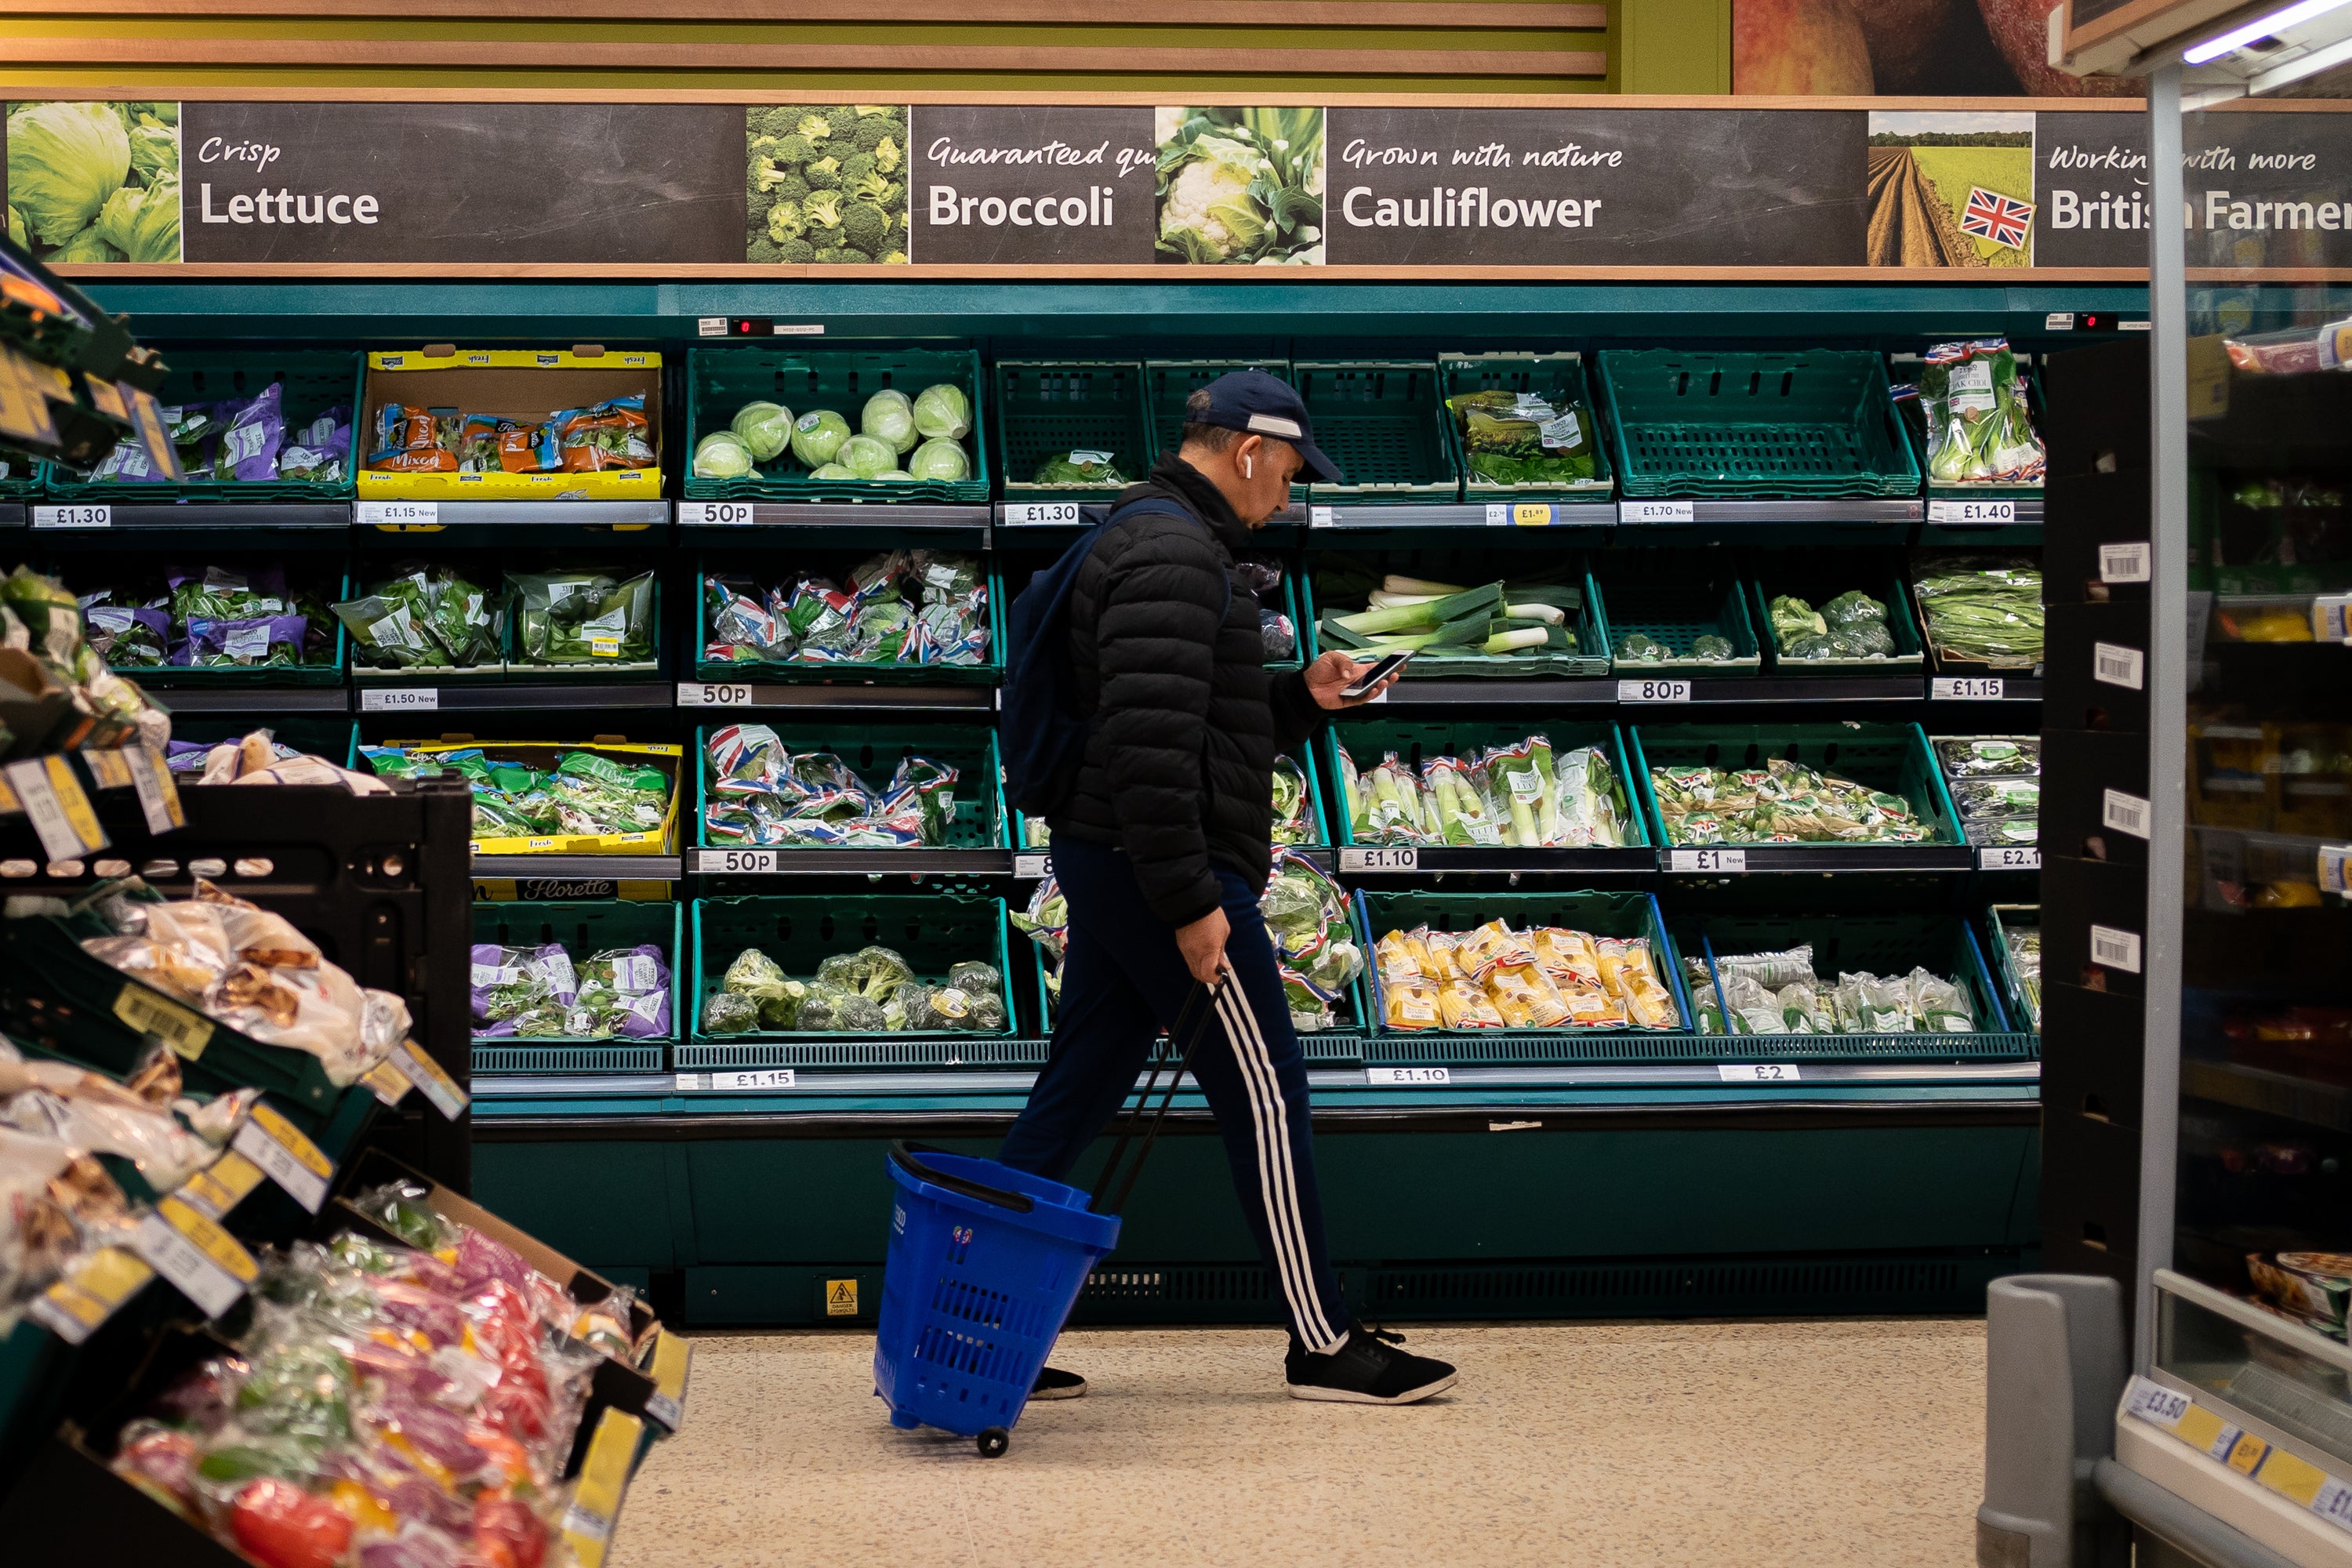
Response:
column 903, row 1153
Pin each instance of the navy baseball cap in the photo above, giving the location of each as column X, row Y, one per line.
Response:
column 1262, row 404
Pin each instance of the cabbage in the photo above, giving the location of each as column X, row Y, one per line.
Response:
column 818, row 435
column 868, row 457
column 939, row 458
column 63, row 161
column 144, row 225
column 721, row 455
column 155, row 150
column 889, row 418
column 896, row 476
column 765, row 427
column 943, row 410
column 833, row 471
column 16, row 228
column 85, row 245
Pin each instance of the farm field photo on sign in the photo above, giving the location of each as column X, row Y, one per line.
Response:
column 1950, row 189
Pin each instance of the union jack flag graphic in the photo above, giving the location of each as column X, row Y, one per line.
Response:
column 1991, row 215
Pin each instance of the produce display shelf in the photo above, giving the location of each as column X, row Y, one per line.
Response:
column 751, row 692
column 258, row 701
column 1848, row 508
column 725, row 517
column 510, row 697
column 794, row 862
column 1564, row 1047
column 1597, row 511
column 412, row 515
column 583, row 867
column 1733, row 690
column 1813, row 859
column 511, row 1057
column 89, row 517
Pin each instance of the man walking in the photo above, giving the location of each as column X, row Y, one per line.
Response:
column 1161, row 848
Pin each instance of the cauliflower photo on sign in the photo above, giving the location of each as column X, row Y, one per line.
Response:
column 1239, row 187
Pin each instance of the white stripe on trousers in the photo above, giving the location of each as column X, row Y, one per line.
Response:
column 1279, row 1183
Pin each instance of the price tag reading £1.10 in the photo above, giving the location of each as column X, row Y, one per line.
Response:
column 1400, row 858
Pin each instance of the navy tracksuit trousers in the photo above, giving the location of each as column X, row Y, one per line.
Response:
column 1123, row 981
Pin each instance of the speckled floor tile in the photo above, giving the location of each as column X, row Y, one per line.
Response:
column 1746, row 1444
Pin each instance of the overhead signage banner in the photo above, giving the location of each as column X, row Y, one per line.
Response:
column 502, row 187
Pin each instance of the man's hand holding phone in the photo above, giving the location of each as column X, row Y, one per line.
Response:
column 1337, row 681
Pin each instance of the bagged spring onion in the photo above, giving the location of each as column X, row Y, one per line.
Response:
column 1978, row 431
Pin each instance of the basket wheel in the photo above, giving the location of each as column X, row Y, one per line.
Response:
column 993, row 1443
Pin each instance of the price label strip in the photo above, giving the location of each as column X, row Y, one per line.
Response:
column 1657, row 512
column 187, row 1031
column 2007, row 857
column 1654, row 692
column 400, row 700
column 203, row 1261
column 50, row 795
column 73, row 517
column 603, row 1481
column 291, row 1159
column 1758, row 1072
column 1032, row 866
column 220, row 1186
column 714, row 694
column 670, row 1365
column 2289, row 1475
column 716, row 514
column 79, row 1305
column 1965, row 689
column 1972, row 512
column 1034, row 512
column 747, row 1082
column 107, row 767
column 417, row 1065
column 1397, row 1076
column 399, row 514
column 1400, row 857
column 1707, row 860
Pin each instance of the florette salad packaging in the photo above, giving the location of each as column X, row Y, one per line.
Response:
column 60, row 692
column 1996, row 786
column 1495, row 977
column 387, row 1405
column 1520, row 795
column 1979, row 430
column 582, row 617
column 873, row 991
column 1778, row 994
column 907, row 606
column 537, row 798
column 1781, row 802
column 538, row 993
column 762, row 794
column 1539, row 439
column 239, row 441
column 211, row 617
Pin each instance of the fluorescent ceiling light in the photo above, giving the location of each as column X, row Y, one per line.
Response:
column 2264, row 28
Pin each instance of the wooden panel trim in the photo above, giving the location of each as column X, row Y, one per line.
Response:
column 646, row 54
column 748, row 272
column 1273, row 97
column 1455, row 15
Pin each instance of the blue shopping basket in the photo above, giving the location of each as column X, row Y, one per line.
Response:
column 985, row 1263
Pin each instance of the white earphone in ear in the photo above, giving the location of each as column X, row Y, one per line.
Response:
column 1246, row 471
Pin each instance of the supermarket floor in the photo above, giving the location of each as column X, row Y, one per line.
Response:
column 1742, row 1445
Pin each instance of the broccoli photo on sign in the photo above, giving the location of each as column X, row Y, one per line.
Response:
column 825, row 182
column 95, row 182
column 1240, row 187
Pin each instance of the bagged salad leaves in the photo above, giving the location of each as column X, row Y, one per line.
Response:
column 40, row 619
column 240, row 440
column 1046, row 922
column 1314, row 941
column 1099, row 469
column 1513, row 438
column 1978, row 431
column 1996, row 785
column 1294, row 813
column 904, row 607
column 582, row 617
column 1984, row 609
column 761, row 792
column 584, row 795
column 871, row 991
column 540, row 993
column 428, row 618
column 1495, row 977
column 1781, row 802
column 1520, row 795
column 1778, row 994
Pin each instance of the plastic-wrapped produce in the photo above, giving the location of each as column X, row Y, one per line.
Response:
column 423, row 616
column 582, row 617
column 905, row 607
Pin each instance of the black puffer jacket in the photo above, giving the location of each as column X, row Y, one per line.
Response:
column 1179, row 770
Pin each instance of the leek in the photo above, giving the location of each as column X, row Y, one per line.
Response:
column 1512, row 641
column 1394, row 583
column 1381, row 599
column 1536, row 612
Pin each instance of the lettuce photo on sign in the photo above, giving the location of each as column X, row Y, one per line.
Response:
column 826, row 182
column 95, row 182
column 1239, row 187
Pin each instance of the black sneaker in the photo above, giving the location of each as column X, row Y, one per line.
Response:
column 1364, row 1371
column 1054, row 1383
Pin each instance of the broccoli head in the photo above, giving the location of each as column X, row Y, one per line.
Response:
column 888, row 156
column 823, row 174
column 871, row 131
column 882, row 192
column 816, row 127
column 856, row 167
column 778, row 121
column 761, row 249
column 792, row 151
column 822, row 211
column 866, row 228
column 789, row 187
column 797, row 251
column 785, row 222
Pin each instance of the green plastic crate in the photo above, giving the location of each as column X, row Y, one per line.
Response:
column 1335, row 1047
column 2024, row 1009
column 62, row 1000
column 719, row 381
column 1856, row 942
column 1674, row 598
column 1367, row 736
column 1384, row 423
column 1818, row 578
column 24, row 478
column 872, row 751
column 800, row 931
column 1599, row 914
column 768, row 569
column 1459, row 373
column 1318, row 821
column 168, row 676
column 1891, row 758
column 1166, row 382
column 1808, row 423
column 332, row 736
column 313, row 381
column 584, row 928
column 1290, row 605
column 1913, row 415
column 1046, row 408
column 1466, row 566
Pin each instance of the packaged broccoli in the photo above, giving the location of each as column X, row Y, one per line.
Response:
column 1082, row 467
column 729, row 1013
